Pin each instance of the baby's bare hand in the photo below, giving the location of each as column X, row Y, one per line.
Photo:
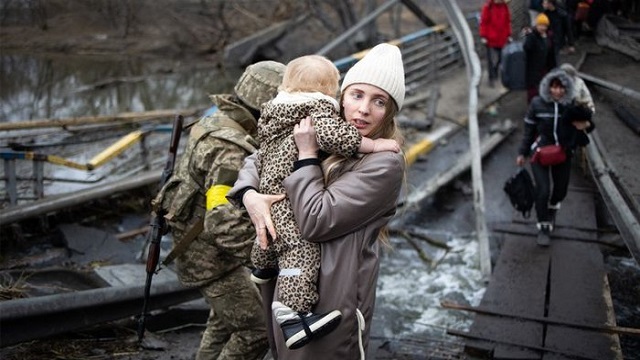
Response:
column 386, row 145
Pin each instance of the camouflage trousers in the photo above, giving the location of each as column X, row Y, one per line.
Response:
column 236, row 329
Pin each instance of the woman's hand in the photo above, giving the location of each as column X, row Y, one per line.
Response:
column 259, row 208
column 520, row 160
column 305, row 137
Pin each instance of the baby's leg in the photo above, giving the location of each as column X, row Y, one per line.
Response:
column 297, row 283
column 265, row 262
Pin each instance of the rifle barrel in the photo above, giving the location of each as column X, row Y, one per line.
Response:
column 158, row 224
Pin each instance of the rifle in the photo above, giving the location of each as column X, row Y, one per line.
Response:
column 158, row 224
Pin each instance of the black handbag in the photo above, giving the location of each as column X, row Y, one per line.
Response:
column 519, row 187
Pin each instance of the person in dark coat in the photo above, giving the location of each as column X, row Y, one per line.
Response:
column 560, row 30
column 553, row 118
column 495, row 32
column 538, row 51
column 535, row 8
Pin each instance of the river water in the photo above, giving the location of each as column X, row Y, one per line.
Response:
column 39, row 87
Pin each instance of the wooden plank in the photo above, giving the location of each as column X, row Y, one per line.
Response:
column 577, row 294
column 565, row 233
column 609, row 329
column 577, row 290
column 517, row 286
column 578, row 211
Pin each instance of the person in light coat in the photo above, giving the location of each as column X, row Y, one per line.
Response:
column 342, row 203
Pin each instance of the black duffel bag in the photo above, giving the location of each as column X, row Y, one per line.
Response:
column 519, row 188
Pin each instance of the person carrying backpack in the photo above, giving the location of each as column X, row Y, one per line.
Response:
column 216, row 259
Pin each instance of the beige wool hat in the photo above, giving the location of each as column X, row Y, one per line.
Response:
column 382, row 67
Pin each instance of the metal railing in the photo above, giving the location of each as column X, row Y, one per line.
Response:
column 14, row 191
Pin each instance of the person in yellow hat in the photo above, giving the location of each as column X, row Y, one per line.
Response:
column 539, row 53
column 543, row 20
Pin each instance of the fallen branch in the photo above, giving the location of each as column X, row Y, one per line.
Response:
column 421, row 254
column 127, row 235
column 598, row 328
column 421, row 236
column 512, row 343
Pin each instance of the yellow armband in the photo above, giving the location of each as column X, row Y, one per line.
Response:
column 216, row 196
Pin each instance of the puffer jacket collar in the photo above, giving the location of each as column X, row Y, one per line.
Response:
column 565, row 79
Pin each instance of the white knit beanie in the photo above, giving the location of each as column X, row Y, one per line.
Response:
column 382, row 67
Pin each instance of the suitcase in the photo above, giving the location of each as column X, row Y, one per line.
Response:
column 512, row 66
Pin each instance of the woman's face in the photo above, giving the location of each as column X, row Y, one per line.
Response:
column 557, row 91
column 364, row 107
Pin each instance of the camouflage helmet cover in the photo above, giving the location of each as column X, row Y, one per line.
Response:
column 259, row 83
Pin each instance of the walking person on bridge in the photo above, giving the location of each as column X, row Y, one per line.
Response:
column 341, row 203
column 553, row 121
column 559, row 28
column 216, row 259
column 540, row 59
column 495, row 32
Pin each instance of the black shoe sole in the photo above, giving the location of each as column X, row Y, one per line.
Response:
column 319, row 329
column 259, row 280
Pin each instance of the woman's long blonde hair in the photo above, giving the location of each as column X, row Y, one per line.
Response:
column 336, row 165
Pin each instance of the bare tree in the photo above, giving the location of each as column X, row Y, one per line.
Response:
column 38, row 11
column 121, row 15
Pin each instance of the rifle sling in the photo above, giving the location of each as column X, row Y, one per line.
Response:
column 187, row 239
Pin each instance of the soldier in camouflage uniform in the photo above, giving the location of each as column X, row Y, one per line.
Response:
column 216, row 260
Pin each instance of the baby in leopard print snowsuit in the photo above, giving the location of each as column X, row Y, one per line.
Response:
column 308, row 89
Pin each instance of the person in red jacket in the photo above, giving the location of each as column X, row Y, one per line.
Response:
column 495, row 32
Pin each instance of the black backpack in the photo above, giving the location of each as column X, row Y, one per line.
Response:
column 519, row 188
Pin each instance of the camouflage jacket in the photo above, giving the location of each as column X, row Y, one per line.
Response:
column 207, row 169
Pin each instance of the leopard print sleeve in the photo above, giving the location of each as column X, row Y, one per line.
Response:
column 334, row 134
